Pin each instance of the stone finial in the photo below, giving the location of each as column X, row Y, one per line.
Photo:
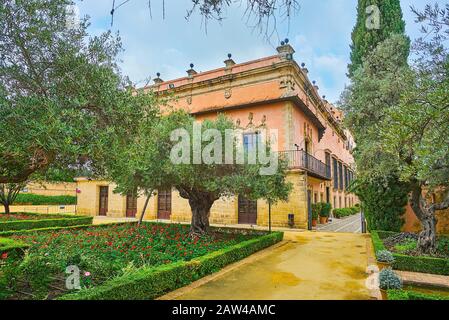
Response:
column 285, row 50
column 191, row 72
column 229, row 62
column 158, row 80
column 304, row 69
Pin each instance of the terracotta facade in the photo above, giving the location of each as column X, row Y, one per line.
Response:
column 272, row 93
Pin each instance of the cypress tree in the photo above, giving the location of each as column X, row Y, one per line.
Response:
column 364, row 39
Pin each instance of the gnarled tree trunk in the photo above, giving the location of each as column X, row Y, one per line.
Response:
column 200, row 203
column 8, row 194
column 426, row 215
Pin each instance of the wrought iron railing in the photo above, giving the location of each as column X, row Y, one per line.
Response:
column 299, row 159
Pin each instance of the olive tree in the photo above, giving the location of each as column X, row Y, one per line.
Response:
column 165, row 155
column 61, row 93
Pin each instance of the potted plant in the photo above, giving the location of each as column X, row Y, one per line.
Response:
column 315, row 214
column 326, row 209
column 389, row 280
column 384, row 259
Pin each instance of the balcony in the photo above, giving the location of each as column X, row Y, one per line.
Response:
column 299, row 159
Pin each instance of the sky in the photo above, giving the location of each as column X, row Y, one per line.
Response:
column 320, row 32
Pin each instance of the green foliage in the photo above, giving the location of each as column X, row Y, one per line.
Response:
column 385, row 256
column 62, row 98
column 345, row 212
column 326, row 209
column 413, row 295
column 36, row 200
column 150, row 283
column 364, row 40
column 316, row 210
column 384, row 201
column 410, row 245
column 45, row 222
column 389, row 280
column 403, row 262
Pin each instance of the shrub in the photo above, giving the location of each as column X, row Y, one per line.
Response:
column 344, row 212
column 326, row 209
column 384, row 202
column 150, row 283
column 36, row 200
column 316, row 209
column 413, row 295
column 410, row 263
column 7, row 226
column 385, row 256
column 11, row 249
column 389, row 280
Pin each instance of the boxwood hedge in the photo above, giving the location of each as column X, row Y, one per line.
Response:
column 37, row 200
column 413, row 295
column 150, row 283
column 12, row 248
column 47, row 222
column 410, row 263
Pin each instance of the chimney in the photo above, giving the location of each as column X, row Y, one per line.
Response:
column 191, row 72
column 285, row 50
column 158, row 80
column 229, row 62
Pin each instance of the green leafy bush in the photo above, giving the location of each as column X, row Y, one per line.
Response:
column 46, row 222
column 150, row 283
column 384, row 202
column 316, row 210
column 36, row 200
column 326, row 209
column 413, row 295
column 345, row 212
column 389, row 280
column 404, row 262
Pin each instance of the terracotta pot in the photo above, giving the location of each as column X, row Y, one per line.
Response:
column 323, row 220
column 314, row 222
column 384, row 294
column 383, row 265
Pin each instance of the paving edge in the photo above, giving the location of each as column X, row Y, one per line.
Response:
column 252, row 258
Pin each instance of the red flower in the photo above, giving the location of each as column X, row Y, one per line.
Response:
column 4, row 256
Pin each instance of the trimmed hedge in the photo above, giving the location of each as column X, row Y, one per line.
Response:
column 8, row 226
column 39, row 200
column 19, row 232
column 345, row 212
column 413, row 295
column 410, row 263
column 150, row 283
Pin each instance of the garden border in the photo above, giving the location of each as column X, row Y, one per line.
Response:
column 413, row 295
column 410, row 263
column 150, row 283
column 6, row 227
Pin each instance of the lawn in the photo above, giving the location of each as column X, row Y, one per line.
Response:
column 103, row 253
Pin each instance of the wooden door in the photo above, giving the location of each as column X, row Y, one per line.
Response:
column 164, row 204
column 104, row 196
column 131, row 205
column 247, row 211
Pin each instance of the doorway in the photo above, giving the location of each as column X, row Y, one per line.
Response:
column 104, row 196
column 164, row 204
column 247, row 211
column 131, row 205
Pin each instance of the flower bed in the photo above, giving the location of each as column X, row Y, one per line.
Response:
column 424, row 264
column 107, row 252
column 28, row 221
